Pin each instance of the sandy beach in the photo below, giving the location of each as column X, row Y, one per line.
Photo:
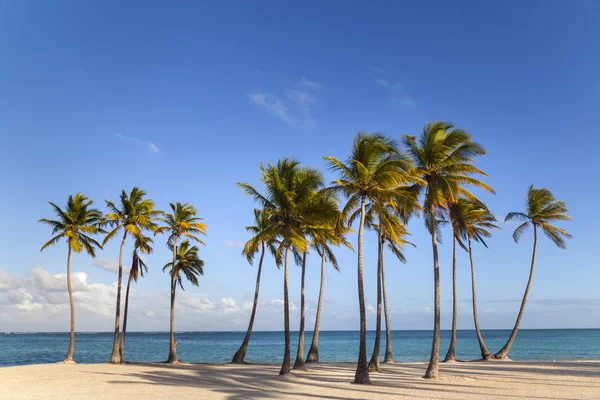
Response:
column 462, row 380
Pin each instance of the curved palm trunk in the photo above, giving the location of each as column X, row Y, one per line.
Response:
column 299, row 363
column 374, row 363
column 432, row 369
column 69, row 357
column 313, row 353
column 125, row 317
column 485, row 354
column 503, row 354
column 389, row 358
column 115, row 357
column 451, row 355
column 362, row 368
column 238, row 357
column 172, row 343
column 285, row 366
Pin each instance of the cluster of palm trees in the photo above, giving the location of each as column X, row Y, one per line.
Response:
column 133, row 216
column 384, row 186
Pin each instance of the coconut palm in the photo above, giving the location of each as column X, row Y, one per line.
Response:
column 133, row 216
column 187, row 263
column 322, row 245
column 296, row 205
column 259, row 242
column 443, row 157
column 390, row 231
column 371, row 173
column 541, row 210
column 75, row 224
column 473, row 222
column 138, row 268
column 182, row 222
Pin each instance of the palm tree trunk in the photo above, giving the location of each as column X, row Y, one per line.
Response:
column 285, row 366
column 313, row 353
column 299, row 363
column 374, row 363
column 172, row 343
column 451, row 355
column 69, row 357
column 432, row 369
column 389, row 358
column 125, row 317
column 362, row 368
column 115, row 357
column 485, row 354
column 503, row 354
column 238, row 357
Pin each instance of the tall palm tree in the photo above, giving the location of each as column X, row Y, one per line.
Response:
column 473, row 221
column 134, row 215
column 443, row 157
column 541, row 210
column 296, row 204
column 182, row 222
column 187, row 263
column 138, row 268
column 390, row 231
column 322, row 245
column 75, row 224
column 371, row 173
column 259, row 242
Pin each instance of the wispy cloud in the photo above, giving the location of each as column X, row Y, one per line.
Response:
column 152, row 148
column 106, row 264
column 396, row 92
column 234, row 244
column 295, row 105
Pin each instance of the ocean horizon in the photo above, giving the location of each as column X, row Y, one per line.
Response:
column 266, row 347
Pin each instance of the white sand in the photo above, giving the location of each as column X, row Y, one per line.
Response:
column 473, row 380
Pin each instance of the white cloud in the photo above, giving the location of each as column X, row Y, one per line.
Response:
column 234, row 244
column 396, row 92
column 312, row 85
column 152, row 148
column 295, row 106
column 107, row 264
column 273, row 105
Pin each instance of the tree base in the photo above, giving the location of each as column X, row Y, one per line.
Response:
column 374, row 366
column 431, row 373
column 313, row 356
column 362, row 374
column 67, row 361
column 238, row 358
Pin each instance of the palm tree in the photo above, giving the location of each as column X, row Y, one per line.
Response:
column 183, row 222
column 188, row 264
column 541, row 210
column 371, row 173
column 75, row 223
column 473, row 221
column 321, row 244
column 251, row 248
column 296, row 205
column 138, row 268
column 443, row 157
column 392, row 231
column 135, row 215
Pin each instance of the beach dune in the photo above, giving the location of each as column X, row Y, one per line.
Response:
column 462, row 380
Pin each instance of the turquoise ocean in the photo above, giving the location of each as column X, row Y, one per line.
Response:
column 267, row 347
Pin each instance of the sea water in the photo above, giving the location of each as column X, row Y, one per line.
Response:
column 267, row 347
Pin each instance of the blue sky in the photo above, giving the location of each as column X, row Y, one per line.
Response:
column 185, row 101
